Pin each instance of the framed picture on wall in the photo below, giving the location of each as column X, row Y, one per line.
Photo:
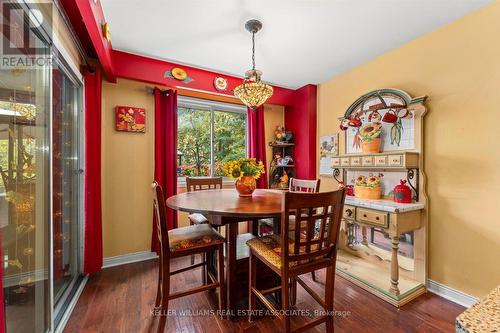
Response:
column 328, row 148
column 130, row 119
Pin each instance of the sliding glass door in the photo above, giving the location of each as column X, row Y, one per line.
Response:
column 66, row 199
column 40, row 180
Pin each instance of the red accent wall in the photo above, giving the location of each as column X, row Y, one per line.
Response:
column 136, row 67
column 301, row 120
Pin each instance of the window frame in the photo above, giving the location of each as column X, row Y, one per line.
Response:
column 212, row 107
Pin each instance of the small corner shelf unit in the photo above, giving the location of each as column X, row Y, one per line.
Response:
column 385, row 272
column 279, row 175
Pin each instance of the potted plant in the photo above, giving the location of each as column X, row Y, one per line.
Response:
column 369, row 135
column 245, row 171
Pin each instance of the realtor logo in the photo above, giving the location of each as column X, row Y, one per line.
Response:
column 21, row 26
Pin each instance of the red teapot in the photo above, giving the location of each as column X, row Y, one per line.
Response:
column 402, row 192
column 355, row 121
column 390, row 117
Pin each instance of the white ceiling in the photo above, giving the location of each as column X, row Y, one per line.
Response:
column 302, row 41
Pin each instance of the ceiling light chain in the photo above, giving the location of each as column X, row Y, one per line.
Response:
column 252, row 92
column 253, row 50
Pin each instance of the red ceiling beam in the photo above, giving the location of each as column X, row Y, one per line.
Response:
column 87, row 19
column 135, row 67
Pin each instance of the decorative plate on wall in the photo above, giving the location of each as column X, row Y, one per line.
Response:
column 220, row 83
column 178, row 74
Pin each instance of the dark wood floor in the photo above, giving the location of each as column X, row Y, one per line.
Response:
column 120, row 299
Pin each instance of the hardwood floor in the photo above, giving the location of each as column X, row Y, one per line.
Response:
column 120, row 299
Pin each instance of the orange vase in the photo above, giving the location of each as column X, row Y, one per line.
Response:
column 245, row 186
column 372, row 147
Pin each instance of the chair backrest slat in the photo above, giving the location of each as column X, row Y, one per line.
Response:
column 203, row 183
column 160, row 213
column 309, row 210
column 304, row 185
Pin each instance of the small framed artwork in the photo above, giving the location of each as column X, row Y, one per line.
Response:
column 130, row 119
column 328, row 148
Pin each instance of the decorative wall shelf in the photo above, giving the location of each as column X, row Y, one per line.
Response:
column 279, row 175
column 384, row 272
column 398, row 160
column 408, row 161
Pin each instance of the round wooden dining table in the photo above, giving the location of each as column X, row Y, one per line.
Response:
column 226, row 207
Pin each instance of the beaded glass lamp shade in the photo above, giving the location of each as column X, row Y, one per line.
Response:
column 252, row 92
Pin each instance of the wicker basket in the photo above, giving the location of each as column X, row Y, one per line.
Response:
column 364, row 192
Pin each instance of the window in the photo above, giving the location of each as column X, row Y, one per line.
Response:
column 209, row 135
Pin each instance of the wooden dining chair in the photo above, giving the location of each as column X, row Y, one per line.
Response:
column 290, row 255
column 200, row 184
column 304, row 185
column 299, row 185
column 180, row 242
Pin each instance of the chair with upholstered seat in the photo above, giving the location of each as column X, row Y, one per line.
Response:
column 180, row 242
column 308, row 250
column 200, row 184
column 297, row 185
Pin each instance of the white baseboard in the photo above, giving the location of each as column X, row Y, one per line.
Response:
column 456, row 296
column 128, row 258
column 71, row 306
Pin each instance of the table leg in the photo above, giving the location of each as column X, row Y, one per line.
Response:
column 231, row 247
column 395, row 265
column 255, row 227
column 365, row 239
column 277, row 225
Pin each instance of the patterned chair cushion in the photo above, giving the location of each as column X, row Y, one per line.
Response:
column 269, row 248
column 483, row 316
column 196, row 235
column 197, row 218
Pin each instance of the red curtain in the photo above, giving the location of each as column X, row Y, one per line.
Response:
column 257, row 140
column 93, row 213
column 165, row 152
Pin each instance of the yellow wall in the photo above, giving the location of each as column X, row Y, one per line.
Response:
column 458, row 67
column 127, row 172
column 128, row 169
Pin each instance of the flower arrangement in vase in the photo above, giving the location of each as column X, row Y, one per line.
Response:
column 369, row 136
column 245, row 171
column 368, row 188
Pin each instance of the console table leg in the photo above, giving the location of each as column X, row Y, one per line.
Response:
column 365, row 239
column 395, row 265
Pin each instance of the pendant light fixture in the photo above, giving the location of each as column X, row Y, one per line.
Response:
column 252, row 92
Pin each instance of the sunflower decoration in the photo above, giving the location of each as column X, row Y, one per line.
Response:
column 360, row 181
column 236, row 169
column 374, row 180
column 178, row 74
column 369, row 132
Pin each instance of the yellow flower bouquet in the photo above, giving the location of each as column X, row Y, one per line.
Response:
column 245, row 171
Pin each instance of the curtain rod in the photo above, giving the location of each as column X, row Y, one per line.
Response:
column 150, row 90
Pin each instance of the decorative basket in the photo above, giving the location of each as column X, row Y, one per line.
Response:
column 364, row 192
